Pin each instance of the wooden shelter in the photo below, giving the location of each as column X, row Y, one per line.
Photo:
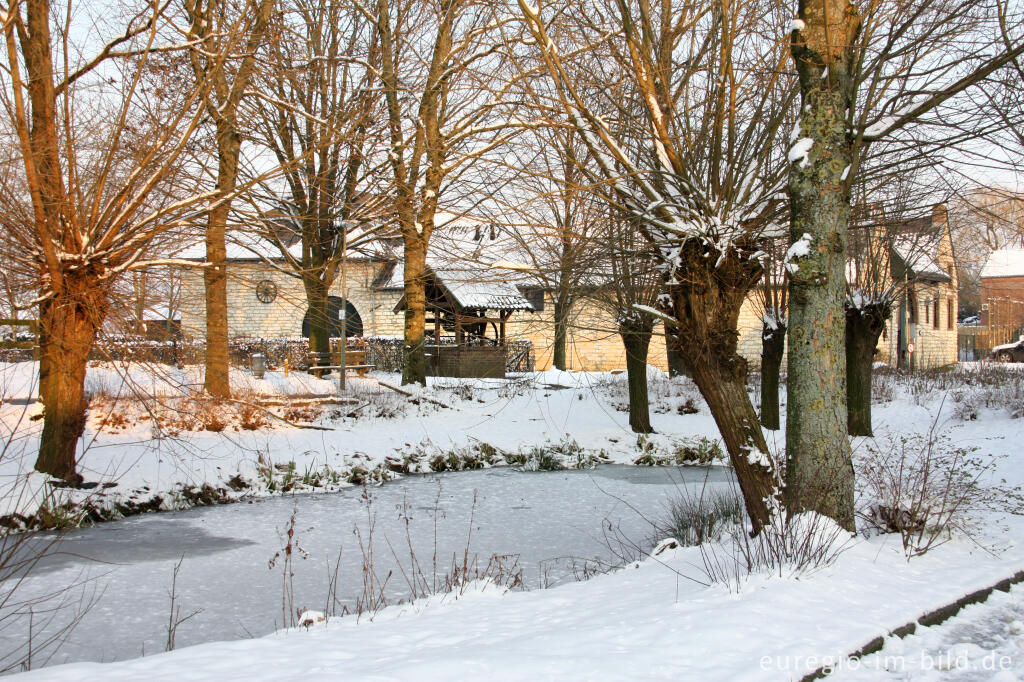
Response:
column 467, row 314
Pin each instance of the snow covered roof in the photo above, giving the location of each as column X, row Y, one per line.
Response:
column 919, row 256
column 470, row 250
column 241, row 246
column 245, row 245
column 160, row 313
column 1004, row 263
column 469, row 290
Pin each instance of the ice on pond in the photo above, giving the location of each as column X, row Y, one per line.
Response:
column 550, row 523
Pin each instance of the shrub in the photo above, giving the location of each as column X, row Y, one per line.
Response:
column 925, row 488
column 694, row 518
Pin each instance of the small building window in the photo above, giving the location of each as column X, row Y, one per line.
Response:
column 927, row 311
column 536, row 298
column 935, row 313
column 950, row 314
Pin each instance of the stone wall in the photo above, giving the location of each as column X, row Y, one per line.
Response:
column 282, row 318
column 593, row 340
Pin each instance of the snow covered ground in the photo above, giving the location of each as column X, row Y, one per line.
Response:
column 155, row 449
column 654, row 619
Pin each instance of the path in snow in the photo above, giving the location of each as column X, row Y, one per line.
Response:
column 550, row 520
column 983, row 642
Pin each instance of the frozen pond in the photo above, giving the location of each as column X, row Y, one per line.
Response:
column 552, row 522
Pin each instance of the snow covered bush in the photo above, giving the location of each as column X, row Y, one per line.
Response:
column 926, row 488
column 666, row 394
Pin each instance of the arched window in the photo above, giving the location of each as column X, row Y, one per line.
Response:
column 353, row 322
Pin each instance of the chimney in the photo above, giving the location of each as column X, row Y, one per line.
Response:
column 940, row 217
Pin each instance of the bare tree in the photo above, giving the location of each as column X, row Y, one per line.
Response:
column 983, row 220
column 440, row 63
column 223, row 60
column 633, row 291
column 317, row 112
column 842, row 52
column 100, row 185
column 559, row 219
column 691, row 154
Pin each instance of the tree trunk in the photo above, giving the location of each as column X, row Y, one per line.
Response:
column 636, row 337
column 414, row 367
column 319, row 323
column 863, row 327
column 773, row 345
column 562, row 307
column 706, row 297
column 725, row 391
column 68, row 330
column 820, row 473
column 216, row 381
column 673, row 353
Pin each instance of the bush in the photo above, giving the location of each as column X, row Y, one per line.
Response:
column 925, row 488
column 694, row 518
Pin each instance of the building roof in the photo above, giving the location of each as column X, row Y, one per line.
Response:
column 469, row 291
column 1004, row 263
column 919, row 256
column 248, row 246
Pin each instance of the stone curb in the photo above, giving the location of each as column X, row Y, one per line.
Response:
column 933, row 617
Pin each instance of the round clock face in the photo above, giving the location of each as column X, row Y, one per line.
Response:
column 266, row 291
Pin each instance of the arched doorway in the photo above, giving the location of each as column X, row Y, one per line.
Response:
column 353, row 323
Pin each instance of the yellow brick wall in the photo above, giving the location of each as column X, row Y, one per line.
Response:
column 593, row 343
column 282, row 318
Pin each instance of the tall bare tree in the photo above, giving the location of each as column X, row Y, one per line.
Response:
column 842, row 51
column 691, row 154
column 316, row 110
column 440, row 64
column 226, row 38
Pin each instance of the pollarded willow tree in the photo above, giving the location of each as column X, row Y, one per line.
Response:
column 774, row 322
column 831, row 41
column 689, row 144
column 316, row 109
column 100, row 145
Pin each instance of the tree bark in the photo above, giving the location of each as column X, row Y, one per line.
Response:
column 562, row 307
column 216, row 381
column 414, row 368
column 674, row 355
column 863, row 327
column 319, row 322
column 706, row 300
column 68, row 327
column 773, row 345
column 636, row 337
column 723, row 386
column 820, row 472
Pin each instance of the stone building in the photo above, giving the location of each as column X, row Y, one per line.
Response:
column 265, row 301
column 916, row 256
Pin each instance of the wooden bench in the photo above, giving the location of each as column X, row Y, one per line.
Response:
column 360, row 369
